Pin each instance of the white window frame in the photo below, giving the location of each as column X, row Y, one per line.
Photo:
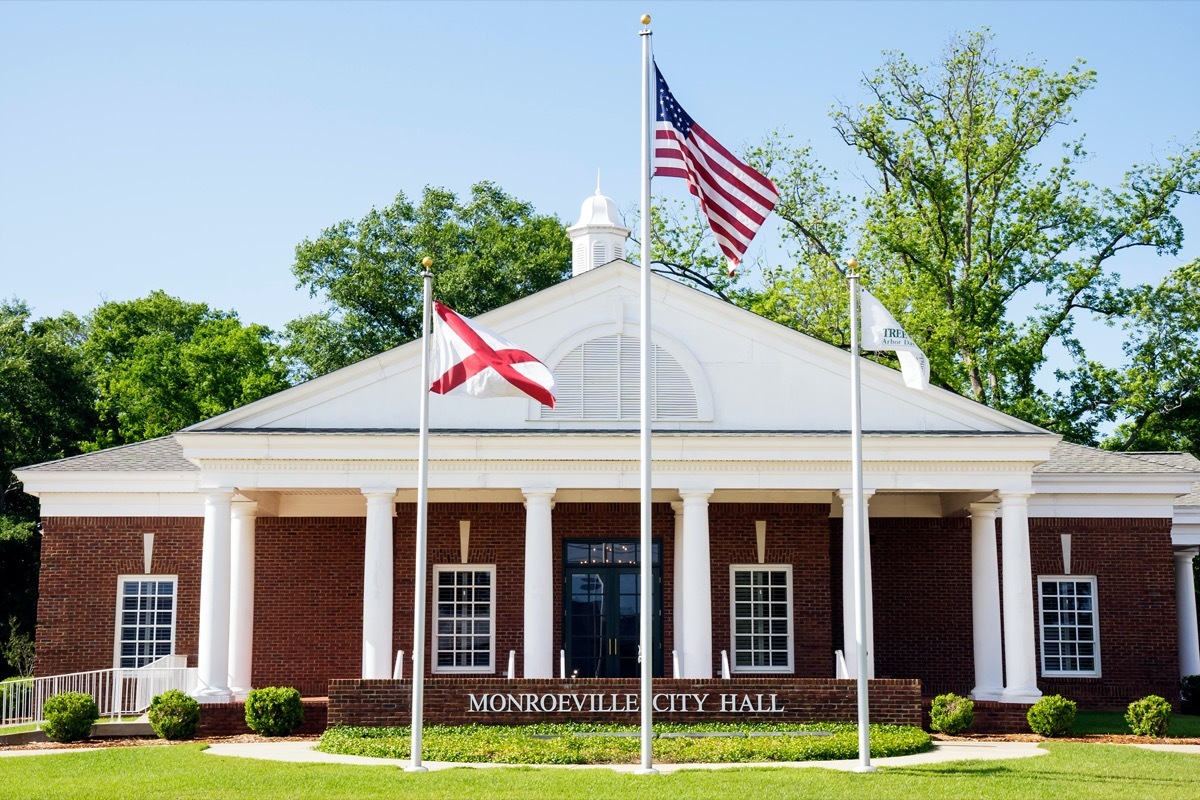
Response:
column 734, row 569
column 118, row 620
column 438, row 569
column 1095, row 611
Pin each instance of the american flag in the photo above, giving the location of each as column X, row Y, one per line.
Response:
column 735, row 197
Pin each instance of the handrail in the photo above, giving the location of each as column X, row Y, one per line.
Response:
column 118, row 692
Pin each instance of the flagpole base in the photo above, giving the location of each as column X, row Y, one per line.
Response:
column 646, row 771
column 863, row 768
column 416, row 768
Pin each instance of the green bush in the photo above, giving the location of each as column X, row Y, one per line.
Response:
column 174, row 715
column 1189, row 691
column 274, row 710
column 1149, row 716
column 951, row 713
column 69, row 716
column 1053, row 715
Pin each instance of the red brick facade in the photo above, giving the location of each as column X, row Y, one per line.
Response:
column 308, row 598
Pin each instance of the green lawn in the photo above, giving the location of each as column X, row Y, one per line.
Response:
column 1084, row 771
column 1089, row 722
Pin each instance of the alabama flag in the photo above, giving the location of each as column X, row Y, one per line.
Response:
column 469, row 359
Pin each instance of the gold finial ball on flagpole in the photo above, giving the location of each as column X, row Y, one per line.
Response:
column 426, row 262
column 645, row 19
column 852, row 263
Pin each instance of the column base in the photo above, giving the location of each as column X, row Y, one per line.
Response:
column 987, row 694
column 213, row 695
column 1026, row 695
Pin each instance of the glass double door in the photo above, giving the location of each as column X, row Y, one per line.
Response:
column 602, row 608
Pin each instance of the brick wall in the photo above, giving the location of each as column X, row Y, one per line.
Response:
column 797, row 535
column 77, row 597
column 448, row 701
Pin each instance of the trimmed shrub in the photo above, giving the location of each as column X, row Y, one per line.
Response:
column 174, row 715
column 69, row 716
column 274, row 710
column 1053, row 715
column 1149, row 716
column 1189, row 691
column 951, row 713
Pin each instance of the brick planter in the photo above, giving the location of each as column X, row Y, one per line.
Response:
column 459, row 701
column 229, row 719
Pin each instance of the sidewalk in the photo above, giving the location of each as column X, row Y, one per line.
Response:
column 942, row 751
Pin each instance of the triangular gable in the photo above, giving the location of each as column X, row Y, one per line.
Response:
column 752, row 374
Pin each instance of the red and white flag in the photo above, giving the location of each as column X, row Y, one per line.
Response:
column 734, row 196
column 469, row 359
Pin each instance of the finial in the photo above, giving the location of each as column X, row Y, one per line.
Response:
column 852, row 264
column 645, row 19
column 426, row 262
column 597, row 180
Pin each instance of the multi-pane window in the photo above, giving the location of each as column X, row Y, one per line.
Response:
column 465, row 613
column 1070, row 628
column 761, row 606
column 145, row 619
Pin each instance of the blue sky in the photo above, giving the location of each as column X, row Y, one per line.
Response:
column 190, row 146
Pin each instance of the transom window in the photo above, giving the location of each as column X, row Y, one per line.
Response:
column 145, row 619
column 761, row 618
column 601, row 380
column 466, row 617
column 1069, row 625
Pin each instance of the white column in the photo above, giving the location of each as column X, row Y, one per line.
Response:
column 849, row 600
column 241, row 599
column 697, row 655
column 212, row 660
column 985, row 604
column 538, row 632
column 1020, row 651
column 1185, row 604
column 677, row 609
column 377, row 584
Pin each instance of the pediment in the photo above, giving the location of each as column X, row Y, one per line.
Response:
column 748, row 374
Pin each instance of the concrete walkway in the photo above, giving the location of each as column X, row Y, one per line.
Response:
column 942, row 751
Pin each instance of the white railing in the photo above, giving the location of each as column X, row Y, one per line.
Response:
column 117, row 692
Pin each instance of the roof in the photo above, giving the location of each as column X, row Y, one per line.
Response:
column 1076, row 459
column 153, row 455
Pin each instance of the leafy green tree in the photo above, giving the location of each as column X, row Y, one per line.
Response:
column 45, row 412
column 161, row 364
column 987, row 251
column 487, row 251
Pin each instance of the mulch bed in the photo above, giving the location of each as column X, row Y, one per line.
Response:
column 151, row 741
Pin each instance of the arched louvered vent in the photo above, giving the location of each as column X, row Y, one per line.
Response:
column 618, row 250
column 598, row 258
column 600, row 380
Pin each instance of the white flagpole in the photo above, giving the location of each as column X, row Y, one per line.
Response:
column 860, row 544
column 646, row 648
column 418, row 690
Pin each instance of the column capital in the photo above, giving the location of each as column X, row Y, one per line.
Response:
column 848, row 494
column 373, row 492
column 244, row 508
column 694, row 493
column 216, row 494
column 1187, row 555
column 1015, row 497
column 677, row 507
column 984, row 510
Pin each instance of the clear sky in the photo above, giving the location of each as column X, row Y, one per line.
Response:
column 190, row 146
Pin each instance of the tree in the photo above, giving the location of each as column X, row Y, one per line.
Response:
column 161, row 364
column 487, row 252
column 963, row 228
column 45, row 412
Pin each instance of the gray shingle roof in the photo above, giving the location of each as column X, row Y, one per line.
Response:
column 1074, row 458
column 154, row 455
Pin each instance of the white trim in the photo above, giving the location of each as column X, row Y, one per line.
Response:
column 1095, row 611
column 733, row 619
column 491, row 669
column 117, row 621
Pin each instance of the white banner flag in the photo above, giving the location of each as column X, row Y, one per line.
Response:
column 880, row 331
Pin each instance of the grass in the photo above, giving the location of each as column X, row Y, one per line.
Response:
column 1101, row 722
column 586, row 744
column 1071, row 770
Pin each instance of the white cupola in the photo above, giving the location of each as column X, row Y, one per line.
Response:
column 598, row 237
